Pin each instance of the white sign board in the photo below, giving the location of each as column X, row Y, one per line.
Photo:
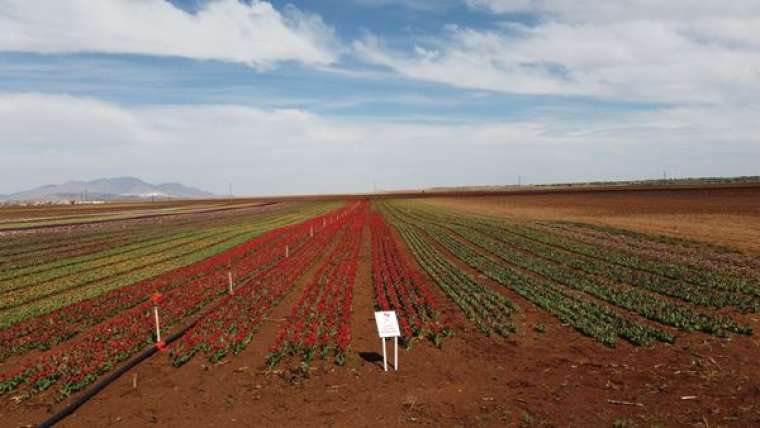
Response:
column 387, row 324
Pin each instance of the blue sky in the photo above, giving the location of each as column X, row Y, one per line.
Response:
column 333, row 96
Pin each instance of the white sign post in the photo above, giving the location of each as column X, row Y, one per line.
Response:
column 158, row 326
column 387, row 326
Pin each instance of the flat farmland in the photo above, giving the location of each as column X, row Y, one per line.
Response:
column 29, row 219
column 724, row 215
column 514, row 310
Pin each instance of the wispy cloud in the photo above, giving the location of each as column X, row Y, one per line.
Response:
column 421, row 5
column 253, row 33
column 622, row 10
column 680, row 51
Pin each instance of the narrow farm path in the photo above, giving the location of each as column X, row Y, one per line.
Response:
column 365, row 345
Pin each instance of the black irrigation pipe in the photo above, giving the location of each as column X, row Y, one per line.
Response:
column 132, row 362
column 102, row 383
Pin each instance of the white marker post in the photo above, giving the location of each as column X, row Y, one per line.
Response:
column 158, row 327
column 229, row 276
column 387, row 326
column 156, row 299
column 311, row 231
column 287, row 251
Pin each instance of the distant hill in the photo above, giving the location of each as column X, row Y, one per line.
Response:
column 107, row 189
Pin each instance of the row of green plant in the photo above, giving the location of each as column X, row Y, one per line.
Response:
column 685, row 259
column 149, row 248
column 589, row 318
column 545, row 245
column 648, row 306
column 36, row 252
column 699, row 295
column 692, row 263
column 694, row 277
column 488, row 310
column 78, row 291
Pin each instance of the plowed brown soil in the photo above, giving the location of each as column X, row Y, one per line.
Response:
column 728, row 216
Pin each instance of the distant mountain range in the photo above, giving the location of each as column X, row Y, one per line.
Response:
column 106, row 189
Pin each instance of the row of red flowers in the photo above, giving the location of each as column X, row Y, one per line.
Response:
column 99, row 348
column 320, row 323
column 55, row 327
column 231, row 326
column 400, row 288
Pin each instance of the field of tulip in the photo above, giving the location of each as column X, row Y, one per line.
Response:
column 398, row 288
column 319, row 325
column 39, row 289
column 90, row 300
column 89, row 338
column 604, row 288
column 231, row 326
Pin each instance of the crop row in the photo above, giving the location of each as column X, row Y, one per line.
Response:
column 81, row 291
column 37, row 245
column 62, row 324
column 231, row 326
column 589, row 318
column 38, row 251
column 488, row 310
column 670, row 258
column 602, row 261
column 596, row 278
column 98, row 349
column 39, row 272
column 30, row 254
column 690, row 293
column 399, row 288
column 693, row 277
column 660, row 310
column 25, row 284
column 320, row 323
column 702, row 266
column 23, row 303
column 682, row 252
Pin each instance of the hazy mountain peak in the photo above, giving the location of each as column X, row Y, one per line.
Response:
column 107, row 189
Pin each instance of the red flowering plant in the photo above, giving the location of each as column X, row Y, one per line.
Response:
column 99, row 348
column 398, row 287
column 231, row 326
column 319, row 324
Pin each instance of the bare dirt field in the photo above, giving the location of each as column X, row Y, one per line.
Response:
column 723, row 215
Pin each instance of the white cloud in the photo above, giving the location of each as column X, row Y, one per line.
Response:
column 622, row 10
column 678, row 52
column 47, row 139
column 421, row 5
column 255, row 34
